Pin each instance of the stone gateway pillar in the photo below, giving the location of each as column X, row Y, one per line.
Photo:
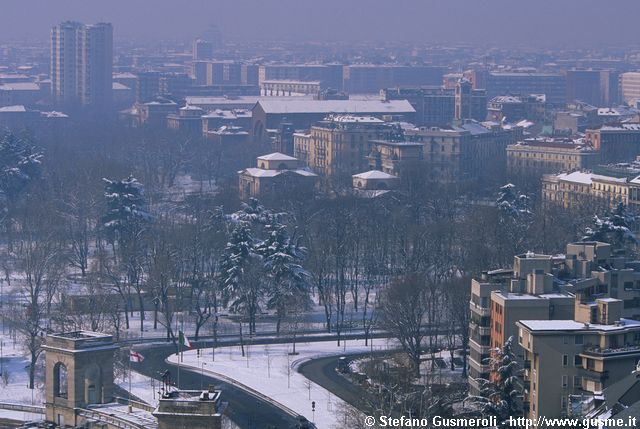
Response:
column 79, row 372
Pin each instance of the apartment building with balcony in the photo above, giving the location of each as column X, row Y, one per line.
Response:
column 572, row 357
column 548, row 287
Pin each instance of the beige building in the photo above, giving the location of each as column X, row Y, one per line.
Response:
column 276, row 173
column 340, row 144
column 569, row 357
column 468, row 151
column 502, row 297
column 630, row 87
column 375, row 180
column 391, row 156
column 537, row 156
column 585, row 189
column 546, row 287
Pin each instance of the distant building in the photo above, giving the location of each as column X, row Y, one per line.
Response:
column 269, row 113
column 289, row 87
column 584, row 189
column 630, row 87
column 202, row 50
column 275, row 174
column 596, row 87
column 615, row 142
column 82, row 64
column 153, row 113
column 187, row 120
column 531, row 158
column 465, row 152
column 22, row 93
column 236, row 118
column 391, row 156
column 513, row 108
column 328, row 75
column 339, row 144
column 553, row 86
column 436, row 106
column 375, row 180
column 371, row 78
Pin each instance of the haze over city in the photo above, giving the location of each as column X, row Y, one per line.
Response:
column 580, row 23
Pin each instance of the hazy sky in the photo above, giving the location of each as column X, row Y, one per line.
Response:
column 572, row 22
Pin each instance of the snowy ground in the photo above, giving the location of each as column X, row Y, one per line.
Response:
column 15, row 378
column 272, row 371
column 143, row 387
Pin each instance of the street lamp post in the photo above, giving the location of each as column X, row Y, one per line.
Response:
column 202, row 375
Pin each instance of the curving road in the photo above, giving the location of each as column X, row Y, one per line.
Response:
column 247, row 411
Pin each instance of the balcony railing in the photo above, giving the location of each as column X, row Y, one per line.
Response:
column 595, row 351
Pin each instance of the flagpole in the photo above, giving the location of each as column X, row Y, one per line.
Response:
column 129, row 408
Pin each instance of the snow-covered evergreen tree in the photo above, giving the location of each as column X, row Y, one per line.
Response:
column 127, row 210
column 283, row 256
column 20, row 163
column 512, row 203
column 240, row 281
column 615, row 228
column 501, row 393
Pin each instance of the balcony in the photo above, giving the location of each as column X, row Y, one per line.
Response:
column 591, row 374
column 479, row 347
column 611, row 353
column 481, row 311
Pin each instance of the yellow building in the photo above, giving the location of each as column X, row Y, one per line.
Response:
column 340, row 144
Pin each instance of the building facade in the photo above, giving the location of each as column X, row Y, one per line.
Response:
column 82, row 64
column 531, row 158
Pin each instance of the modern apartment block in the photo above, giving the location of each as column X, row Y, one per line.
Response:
column 82, row 64
column 570, row 357
column 501, row 297
column 579, row 285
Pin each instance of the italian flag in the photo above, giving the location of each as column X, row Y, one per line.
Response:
column 135, row 356
column 183, row 340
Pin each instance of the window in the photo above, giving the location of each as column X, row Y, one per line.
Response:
column 565, row 360
column 565, row 381
column 577, row 381
column 60, row 386
column 579, row 339
column 563, row 403
column 577, row 360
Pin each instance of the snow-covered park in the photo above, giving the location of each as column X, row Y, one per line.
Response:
column 272, row 370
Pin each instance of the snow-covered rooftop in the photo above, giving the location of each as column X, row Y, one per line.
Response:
column 572, row 325
column 277, row 156
column 587, row 178
column 374, row 174
column 14, row 109
column 337, row 106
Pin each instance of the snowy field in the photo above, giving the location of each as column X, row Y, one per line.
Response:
column 272, row 371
